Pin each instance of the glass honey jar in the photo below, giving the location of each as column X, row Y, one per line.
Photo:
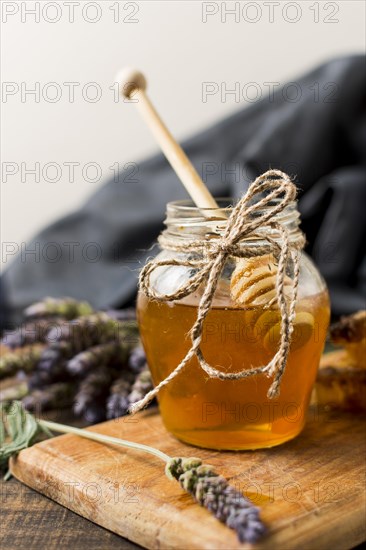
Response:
column 232, row 414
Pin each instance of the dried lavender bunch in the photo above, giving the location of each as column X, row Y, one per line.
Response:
column 118, row 402
column 213, row 492
column 85, row 361
column 90, row 400
column 30, row 332
column 55, row 396
column 26, row 360
column 142, row 385
column 79, row 347
column 68, row 308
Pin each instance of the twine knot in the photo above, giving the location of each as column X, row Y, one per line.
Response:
column 252, row 213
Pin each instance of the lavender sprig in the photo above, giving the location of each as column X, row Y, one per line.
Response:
column 213, row 492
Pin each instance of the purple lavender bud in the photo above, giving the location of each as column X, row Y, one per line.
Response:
column 137, row 359
column 117, row 405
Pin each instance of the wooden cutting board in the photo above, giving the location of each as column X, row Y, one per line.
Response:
column 311, row 490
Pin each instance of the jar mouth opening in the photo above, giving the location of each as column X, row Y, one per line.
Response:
column 186, row 210
column 187, row 205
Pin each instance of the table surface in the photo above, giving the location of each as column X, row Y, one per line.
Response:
column 30, row 520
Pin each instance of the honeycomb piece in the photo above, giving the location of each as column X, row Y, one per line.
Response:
column 350, row 332
column 339, row 384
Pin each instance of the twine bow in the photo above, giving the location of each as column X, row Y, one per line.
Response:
column 249, row 215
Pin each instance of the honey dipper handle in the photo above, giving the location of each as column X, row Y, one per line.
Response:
column 133, row 86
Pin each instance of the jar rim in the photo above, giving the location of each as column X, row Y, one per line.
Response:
column 185, row 219
column 188, row 204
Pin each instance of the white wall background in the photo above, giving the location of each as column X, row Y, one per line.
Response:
column 177, row 50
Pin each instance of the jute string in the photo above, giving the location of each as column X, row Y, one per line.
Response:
column 246, row 218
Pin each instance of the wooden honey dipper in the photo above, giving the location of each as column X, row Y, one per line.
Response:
column 133, row 82
column 254, row 280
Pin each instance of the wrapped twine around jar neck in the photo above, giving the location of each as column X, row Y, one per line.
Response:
column 255, row 216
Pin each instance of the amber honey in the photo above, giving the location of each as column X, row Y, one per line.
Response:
column 233, row 414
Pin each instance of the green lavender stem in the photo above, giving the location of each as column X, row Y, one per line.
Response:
column 87, row 434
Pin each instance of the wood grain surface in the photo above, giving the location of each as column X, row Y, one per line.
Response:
column 31, row 521
column 311, row 490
